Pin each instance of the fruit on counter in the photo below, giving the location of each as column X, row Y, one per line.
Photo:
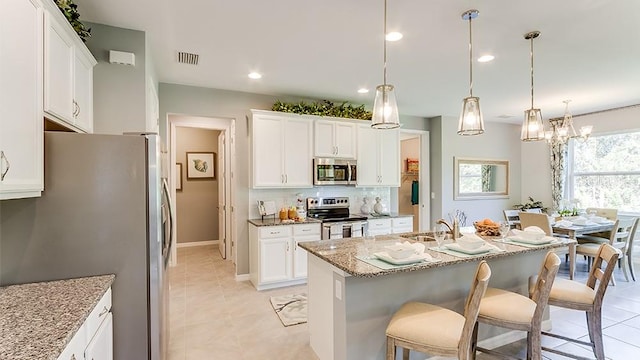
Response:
column 293, row 212
column 487, row 221
column 284, row 214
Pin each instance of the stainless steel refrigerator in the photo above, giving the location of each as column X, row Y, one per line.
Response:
column 105, row 209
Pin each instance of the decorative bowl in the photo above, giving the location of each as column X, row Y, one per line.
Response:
column 399, row 251
column 470, row 243
column 487, row 230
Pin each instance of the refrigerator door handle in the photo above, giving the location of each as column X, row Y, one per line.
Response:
column 165, row 190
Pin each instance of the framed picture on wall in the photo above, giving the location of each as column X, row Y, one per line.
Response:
column 179, row 176
column 201, row 165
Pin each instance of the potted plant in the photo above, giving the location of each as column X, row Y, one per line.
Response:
column 531, row 204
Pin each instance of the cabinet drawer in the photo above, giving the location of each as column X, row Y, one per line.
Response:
column 275, row 232
column 98, row 314
column 402, row 222
column 306, row 229
column 379, row 223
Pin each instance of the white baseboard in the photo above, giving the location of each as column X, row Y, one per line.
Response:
column 198, row 243
column 242, row 277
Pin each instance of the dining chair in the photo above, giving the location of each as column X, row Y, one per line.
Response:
column 512, row 218
column 621, row 238
column 435, row 330
column 535, row 219
column 611, row 214
column 587, row 297
column 518, row 312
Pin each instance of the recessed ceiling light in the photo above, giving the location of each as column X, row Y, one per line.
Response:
column 363, row 91
column 486, row 58
column 393, row 36
column 254, row 75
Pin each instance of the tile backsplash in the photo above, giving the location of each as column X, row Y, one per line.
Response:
column 288, row 197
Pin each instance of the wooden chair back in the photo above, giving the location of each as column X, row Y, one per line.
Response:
column 544, row 282
column 622, row 232
column 632, row 235
column 472, row 306
column 610, row 214
column 597, row 276
column 532, row 219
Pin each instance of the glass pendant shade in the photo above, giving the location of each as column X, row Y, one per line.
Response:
column 471, row 122
column 385, row 108
column 532, row 128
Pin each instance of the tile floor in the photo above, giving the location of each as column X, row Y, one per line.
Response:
column 213, row 317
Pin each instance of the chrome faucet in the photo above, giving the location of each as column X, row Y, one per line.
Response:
column 455, row 229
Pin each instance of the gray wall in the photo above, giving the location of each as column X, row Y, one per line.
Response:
column 500, row 141
column 196, row 204
column 119, row 94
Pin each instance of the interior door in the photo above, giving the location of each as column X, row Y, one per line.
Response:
column 222, row 203
column 222, row 207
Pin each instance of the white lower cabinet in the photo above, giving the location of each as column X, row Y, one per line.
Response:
column 275, row 259
column 94, row 339
column 402, row 225
column 379, row 227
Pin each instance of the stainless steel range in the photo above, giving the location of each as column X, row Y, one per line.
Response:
column 337, row 223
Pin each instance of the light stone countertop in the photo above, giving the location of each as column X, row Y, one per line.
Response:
column 270, row 221
column 38, row 320
column 342, row 253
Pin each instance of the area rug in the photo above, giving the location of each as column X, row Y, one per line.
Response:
column 291, row 309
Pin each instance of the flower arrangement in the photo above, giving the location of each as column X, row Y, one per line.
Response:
column 324, row 108
column 70, row 11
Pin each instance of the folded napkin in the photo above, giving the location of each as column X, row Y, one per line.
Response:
column 471, row 236
column 564, row 223
column 532, row 229
column 417, row 247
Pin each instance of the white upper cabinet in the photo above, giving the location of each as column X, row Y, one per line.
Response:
column 21, row 137
column 335, row 139
column 282, row 151
column 378, row 157
column 68, row 73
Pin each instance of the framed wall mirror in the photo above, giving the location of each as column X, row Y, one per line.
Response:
column 480, row 178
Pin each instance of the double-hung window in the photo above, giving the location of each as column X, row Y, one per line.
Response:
column 604, row 171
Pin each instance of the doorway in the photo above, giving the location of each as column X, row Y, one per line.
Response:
column 221, row 131
column 413, row 195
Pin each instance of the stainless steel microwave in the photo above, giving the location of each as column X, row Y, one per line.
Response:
column 328, row 171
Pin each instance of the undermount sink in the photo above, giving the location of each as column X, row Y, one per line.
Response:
column 425, row 236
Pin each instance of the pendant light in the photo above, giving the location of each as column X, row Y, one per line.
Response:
column 471, row 122
column 385, row 108
column 532, row 127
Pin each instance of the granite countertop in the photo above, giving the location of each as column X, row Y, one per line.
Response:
column 342, row 253
column 38, row 320
column 277, row 222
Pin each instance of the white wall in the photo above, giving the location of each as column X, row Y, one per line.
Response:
column 536, row 171
column 500, row 142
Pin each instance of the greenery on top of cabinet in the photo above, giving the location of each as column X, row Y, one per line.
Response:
column 324, row 108
column 70, row 11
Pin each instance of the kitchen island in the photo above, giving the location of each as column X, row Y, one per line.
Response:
column 351, row 301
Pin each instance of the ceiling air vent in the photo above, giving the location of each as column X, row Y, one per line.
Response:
column 188, row 58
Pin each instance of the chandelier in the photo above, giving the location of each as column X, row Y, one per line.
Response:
column 562, row 128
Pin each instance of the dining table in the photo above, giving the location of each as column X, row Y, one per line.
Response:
column 573, row 231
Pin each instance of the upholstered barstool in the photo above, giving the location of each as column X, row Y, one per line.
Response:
column 518, row 312
column 435, row 330
column 585, row 297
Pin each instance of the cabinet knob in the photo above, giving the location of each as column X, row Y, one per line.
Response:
column 104, row 311
column 4, row 159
